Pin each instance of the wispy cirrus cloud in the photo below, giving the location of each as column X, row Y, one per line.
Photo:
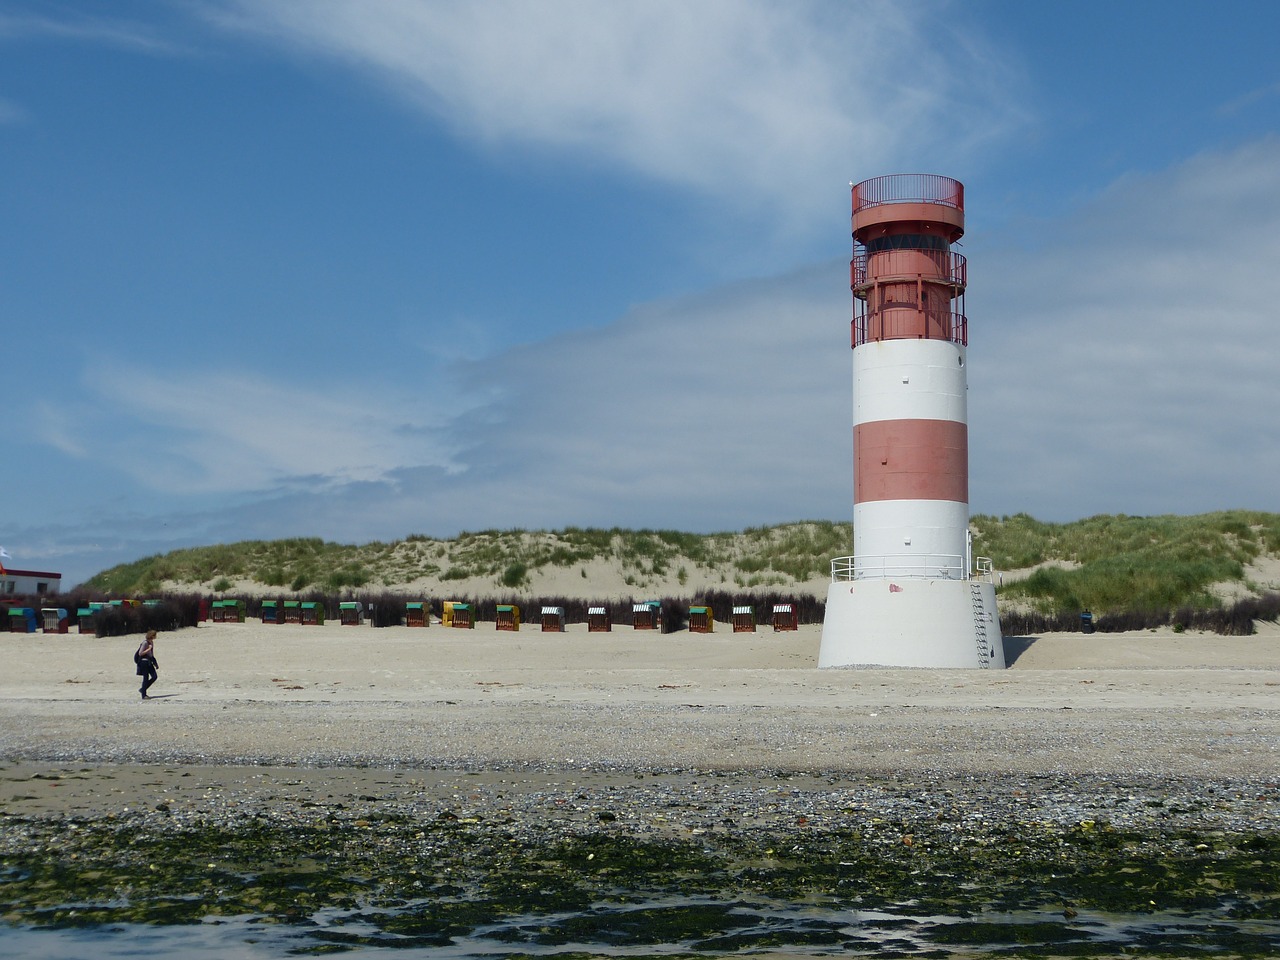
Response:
column 58, row 22
column 230, row 432
column 763, row 105
column 1247, row 100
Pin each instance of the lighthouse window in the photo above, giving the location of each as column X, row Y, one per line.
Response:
column 907, row 241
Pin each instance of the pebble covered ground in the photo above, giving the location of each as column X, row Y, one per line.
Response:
column 169, row 797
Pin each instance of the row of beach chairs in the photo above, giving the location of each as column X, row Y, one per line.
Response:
column 644, row 616
column 59, row 619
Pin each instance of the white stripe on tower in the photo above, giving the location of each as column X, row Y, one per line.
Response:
column 911, row 469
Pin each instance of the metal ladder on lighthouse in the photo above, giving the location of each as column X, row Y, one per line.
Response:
column 980, row 621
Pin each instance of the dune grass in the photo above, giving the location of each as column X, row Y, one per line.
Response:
column 1114, row 563
column 1108, row 563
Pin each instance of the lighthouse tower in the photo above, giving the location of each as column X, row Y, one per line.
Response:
column 912, row 595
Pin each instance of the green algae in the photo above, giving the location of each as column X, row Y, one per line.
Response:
column 402, row 883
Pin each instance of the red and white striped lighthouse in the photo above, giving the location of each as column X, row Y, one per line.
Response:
column 909, row 595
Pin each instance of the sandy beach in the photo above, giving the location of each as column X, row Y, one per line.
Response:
column 1152, row 704
column 341, row 785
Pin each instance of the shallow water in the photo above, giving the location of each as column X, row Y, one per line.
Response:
column 666, row 927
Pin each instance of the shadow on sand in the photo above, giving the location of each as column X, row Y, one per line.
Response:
column 1014, row 647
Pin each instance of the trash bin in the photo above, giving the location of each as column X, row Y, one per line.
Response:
column 1086, row 622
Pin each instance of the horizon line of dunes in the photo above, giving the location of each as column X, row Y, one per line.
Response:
column 1109, row 564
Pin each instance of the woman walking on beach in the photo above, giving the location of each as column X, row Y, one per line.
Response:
column 145, row 658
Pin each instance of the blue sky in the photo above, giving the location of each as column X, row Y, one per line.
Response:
column 359, row 270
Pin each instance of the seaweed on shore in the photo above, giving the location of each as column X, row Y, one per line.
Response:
column 430, row 880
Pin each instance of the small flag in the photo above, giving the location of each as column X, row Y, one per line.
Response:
column 4, row 555
column 894, row 588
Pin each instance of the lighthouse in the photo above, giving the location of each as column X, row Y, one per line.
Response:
column 912, row 594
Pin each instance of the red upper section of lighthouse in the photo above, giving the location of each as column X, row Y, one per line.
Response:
column 926, row 189
column 903, row 274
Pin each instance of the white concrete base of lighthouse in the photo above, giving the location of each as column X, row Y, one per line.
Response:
column 911, row 623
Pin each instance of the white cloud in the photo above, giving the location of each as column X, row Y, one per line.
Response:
column 1128, row 364
column 702, row 411
column 215, row 432
column 763, row 105
column 1124, row 365
column 707, row 412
